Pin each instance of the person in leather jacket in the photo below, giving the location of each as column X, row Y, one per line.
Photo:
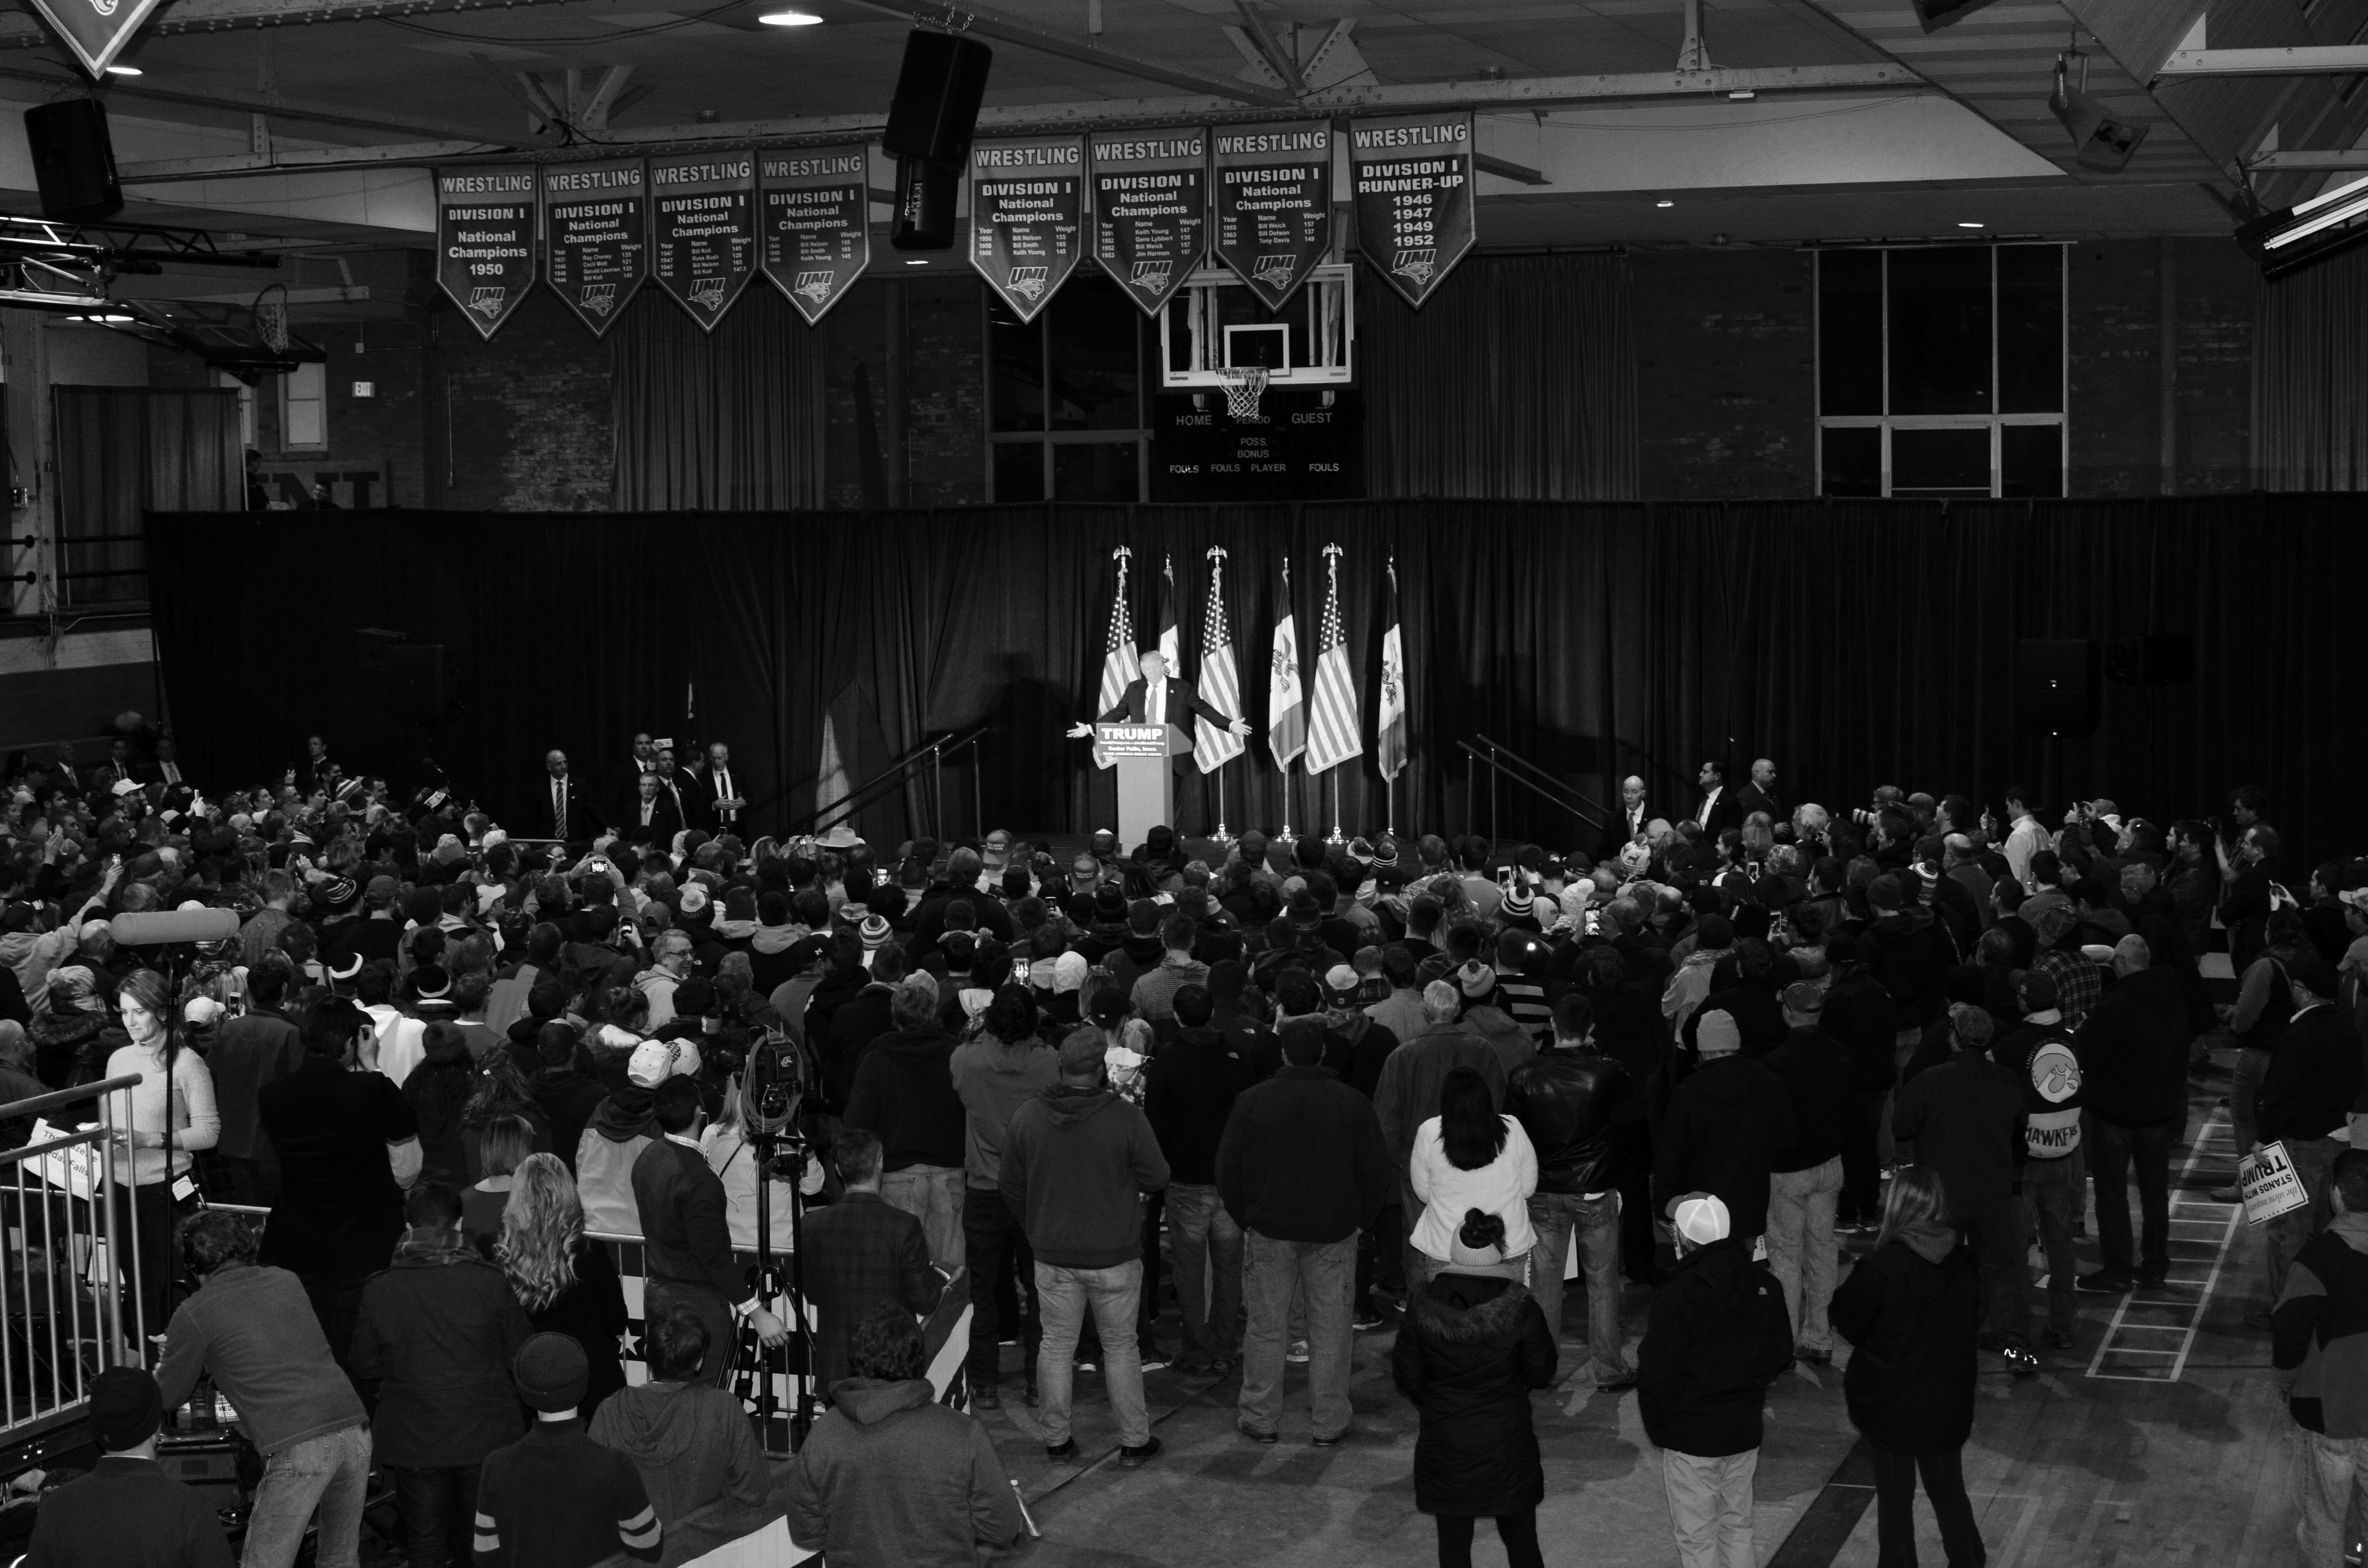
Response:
column 1581, row 1110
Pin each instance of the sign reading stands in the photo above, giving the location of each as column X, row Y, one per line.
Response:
column 1027, row 212
column 1413, row 180
column 596, row 236
column 1151, row 210
column 2270, row 1184
column 703, row 230
column 485, row 240
column 1274, row 203
column 815, row 223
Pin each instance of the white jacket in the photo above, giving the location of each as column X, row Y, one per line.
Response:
column 1501, row 1187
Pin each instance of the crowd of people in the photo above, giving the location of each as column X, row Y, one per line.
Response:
column 1310, row 1090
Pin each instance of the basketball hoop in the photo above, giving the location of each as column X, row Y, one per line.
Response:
column 1244, row 384
column 270, row 311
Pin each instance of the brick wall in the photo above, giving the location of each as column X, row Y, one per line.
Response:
column 1726, row 358
column 941, row 370
column 525, row 418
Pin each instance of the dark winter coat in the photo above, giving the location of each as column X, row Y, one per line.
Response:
column 1913, row 1311
column 1717, row 1337
column 1468, row 1353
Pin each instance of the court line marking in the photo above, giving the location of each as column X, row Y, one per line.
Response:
column 2216, row 1122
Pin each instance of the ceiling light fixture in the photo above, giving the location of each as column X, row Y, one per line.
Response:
column 2331, row 221
column 917, row 264
column 123, row 71
column 1964, row 226
column 790, row 19
column 1665, row 204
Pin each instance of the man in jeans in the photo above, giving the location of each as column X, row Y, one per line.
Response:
column 252, row 1330
column 905, row 1091
column 1189, row 1087
column 1303, row 1168
column 996, row 1074
column 1077, row 1163
column 2320, row 1369
column 2053, row 1174
column 1805, row 1181
column 1578, row 1108
column 2133, row 1054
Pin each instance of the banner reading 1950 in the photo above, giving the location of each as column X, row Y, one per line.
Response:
column 703, row 230
column 815, row 227
column 485, row 240
column 1151, row 210
column 1274, row 203
column 596, row 237
column 1027, row 214
column 1413, row 177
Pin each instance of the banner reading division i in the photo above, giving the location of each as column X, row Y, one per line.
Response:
column 1151, row 210
column 1027, row 216
column 815, row 223
column 596, row 248
column 1413, row 180
column 1274, row 203
column 703, row 230
column 485, row 240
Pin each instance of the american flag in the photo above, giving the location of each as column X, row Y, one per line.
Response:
column 1392, row 737
column 1333, row 733
column 1286, row 706
column 1119, row 668
column 1221, row 685
column 1172, row 640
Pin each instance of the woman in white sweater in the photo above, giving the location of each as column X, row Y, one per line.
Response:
column 152, row 1146
column 1467, row 1158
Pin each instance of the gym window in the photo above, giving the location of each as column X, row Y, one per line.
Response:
column 1065, row 414
column 1940, row 371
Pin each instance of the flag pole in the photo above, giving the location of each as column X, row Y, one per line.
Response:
column 1337, row 839
column 1223, row 836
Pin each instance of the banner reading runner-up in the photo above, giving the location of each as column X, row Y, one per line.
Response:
column 485, row 240
column 1027, row 212
column 596, row 236
column 1151, row 210
column 1274, row 203
column 816, row 228
column 703, row 230
column 1413, row 180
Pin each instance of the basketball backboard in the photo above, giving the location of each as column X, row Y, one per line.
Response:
column 1215, row 323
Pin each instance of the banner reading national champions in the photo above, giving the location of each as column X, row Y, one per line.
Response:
column 1160, row 202
column 485, row 240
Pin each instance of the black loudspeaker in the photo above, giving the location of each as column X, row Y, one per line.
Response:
column 925, row 206
column 1937, row 14
column 72, row 160
column 405, row 679
column 937, row 93
column 2056, row 686
column 2166, row 658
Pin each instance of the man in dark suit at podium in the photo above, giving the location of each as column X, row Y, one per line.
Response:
column 1157, row 698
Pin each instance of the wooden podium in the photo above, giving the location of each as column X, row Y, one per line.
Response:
column 1146, row 787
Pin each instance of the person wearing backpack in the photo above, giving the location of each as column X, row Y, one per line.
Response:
column 1913, row 1312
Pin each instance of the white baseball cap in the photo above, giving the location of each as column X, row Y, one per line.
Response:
column 1701, row 1218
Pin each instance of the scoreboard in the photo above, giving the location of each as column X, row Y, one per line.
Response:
column 1298, row 448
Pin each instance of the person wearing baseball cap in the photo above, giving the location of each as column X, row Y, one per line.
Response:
column 1726, row 1123
column 127, row 1513
column 1716, row 1337
column 1966, row 1119
column 555, row 1496
column 2307, row 1099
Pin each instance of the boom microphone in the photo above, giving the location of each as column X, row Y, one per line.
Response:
column 174, row 926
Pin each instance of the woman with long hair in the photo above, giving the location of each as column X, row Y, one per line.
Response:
column 501, row 1090
column 1913, row 1311
column 160, row 1123
column 1472, row 1347
column 566, row 1282
column 498, row 1147
column 1469, row 1158
column 730, row 1155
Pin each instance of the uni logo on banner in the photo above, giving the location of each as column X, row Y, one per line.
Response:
column 1029, row 283
column 486, row 299
column 601, row 298
column 1152, row 277
column 708, row 294
column 815, row 286
column 1276, row 271
column 1417, row 266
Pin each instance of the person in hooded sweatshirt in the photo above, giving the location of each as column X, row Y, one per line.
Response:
column 994, row 1074
column 903, row 1091
column 1471, row 1350
column 1190, row 1085
column 690, row 1441
column 856, row 1022
column 890, row 1478
column 1726, row 1123
column 1913, row 1311
column 622, row 1126
column 1717, row 1337
column 777, row 949
column 1484, row 1015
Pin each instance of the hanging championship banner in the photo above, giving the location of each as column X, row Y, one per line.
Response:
column 1027, row 214
column 485, row 240
column 703, row 230
column 1274, row 203
column 596, row 246
column 1413, row 180
column 1151, row 210
column 815, row 223
column 97, row 33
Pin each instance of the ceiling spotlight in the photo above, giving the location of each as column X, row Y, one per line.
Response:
column 790, row 19
column 123, row 71
column 1665, row 204
column 917, row 264
column 1969, row 225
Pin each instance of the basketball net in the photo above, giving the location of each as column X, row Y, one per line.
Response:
column 1244, row 384
column 271, row 316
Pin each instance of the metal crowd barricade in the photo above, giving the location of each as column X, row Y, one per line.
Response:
column 60, row 1263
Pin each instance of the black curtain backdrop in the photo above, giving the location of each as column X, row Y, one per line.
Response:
column 2310, row 379
column 716, row 420
column 1855, row 645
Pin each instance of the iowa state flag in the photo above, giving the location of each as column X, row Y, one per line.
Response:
column 1286, row 702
